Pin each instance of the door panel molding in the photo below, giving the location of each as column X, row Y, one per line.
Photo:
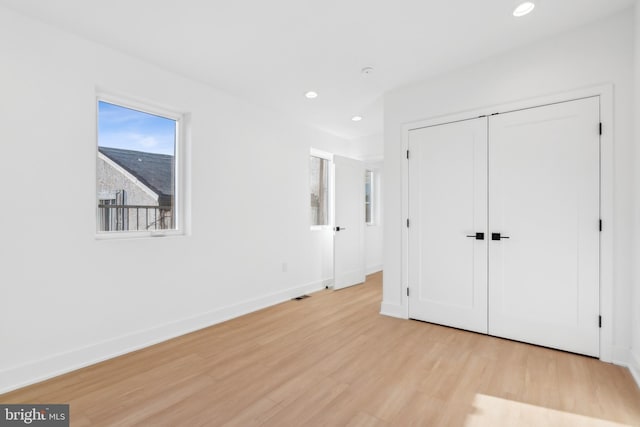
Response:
column 448, row 167
column 544, row 194
column 605, row 92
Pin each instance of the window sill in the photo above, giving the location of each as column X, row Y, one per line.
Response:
column 128, row 235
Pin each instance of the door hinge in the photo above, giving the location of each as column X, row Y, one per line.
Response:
column 600, row 225
column 407, row 291
column 407, row 222
column 599, row 321
column 407, row 154
column 600, row 129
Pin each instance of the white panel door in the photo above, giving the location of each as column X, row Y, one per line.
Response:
column 544, row 196
column 348, row 241
column 447, row 207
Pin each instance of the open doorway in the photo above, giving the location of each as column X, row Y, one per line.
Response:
column 345, row 195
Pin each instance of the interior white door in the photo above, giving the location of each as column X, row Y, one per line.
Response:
column 348, row 241
column 447, row 207
column 544, row 196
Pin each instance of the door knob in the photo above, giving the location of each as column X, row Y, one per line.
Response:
column 497, row 236
column 339, row 228
column 477, row 236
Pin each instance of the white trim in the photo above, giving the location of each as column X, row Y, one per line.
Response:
column 150, row 234
column 392, row 310
column 139, row 104
column 634, row 367
column 33, row 372
column 605, row 92
column 620, row 356
column 322, row 154
column 128, row 175
column 181, row 157
column 373, row 200
column 373, row 269
column 623, row 356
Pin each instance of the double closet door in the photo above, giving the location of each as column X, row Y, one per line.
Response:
column 504, row 236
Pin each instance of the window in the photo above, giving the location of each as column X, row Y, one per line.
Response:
column 319, row 181
column 136, row 180
column 368, row 197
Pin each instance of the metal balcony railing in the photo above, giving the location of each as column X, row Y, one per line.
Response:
column 113, row 217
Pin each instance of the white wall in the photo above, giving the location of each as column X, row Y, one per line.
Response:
column 68, row 299
column 635, row 300
column 368, row 148
column 593, row 55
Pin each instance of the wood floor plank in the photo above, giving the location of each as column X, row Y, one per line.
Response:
column 362, row 419
column 333, row 360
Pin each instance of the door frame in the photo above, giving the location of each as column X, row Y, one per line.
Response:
column 605, row 92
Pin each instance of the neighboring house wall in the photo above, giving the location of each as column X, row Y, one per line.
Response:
column 110, row 179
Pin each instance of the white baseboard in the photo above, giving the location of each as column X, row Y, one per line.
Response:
column 52, row 366
column 373, row 269
column 634, row 367
column 619, row 356
column 623, row 356
column 392, row 310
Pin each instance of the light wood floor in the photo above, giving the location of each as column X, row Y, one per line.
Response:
column 333, row 360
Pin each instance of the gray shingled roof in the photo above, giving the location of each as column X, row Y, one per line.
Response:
column 153, row 170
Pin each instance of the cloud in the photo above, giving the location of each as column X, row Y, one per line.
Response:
column 151, row 143
column 148, row 142
column 120, row 127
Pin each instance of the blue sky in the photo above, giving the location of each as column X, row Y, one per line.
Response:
column 120, row 127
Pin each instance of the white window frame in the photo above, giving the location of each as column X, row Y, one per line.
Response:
column 372, row 197
column 330, row 211
column 179, row 198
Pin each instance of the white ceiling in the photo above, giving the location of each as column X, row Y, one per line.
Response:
column 272, row 52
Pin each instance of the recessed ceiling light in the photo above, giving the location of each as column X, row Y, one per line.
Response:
column 311, row 94
column 366, row 71
column 356, row 118
column 524, row 8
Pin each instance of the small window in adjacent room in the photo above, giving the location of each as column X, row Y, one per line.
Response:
column 319, row 182
column 136, row 180
column 368, row 197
